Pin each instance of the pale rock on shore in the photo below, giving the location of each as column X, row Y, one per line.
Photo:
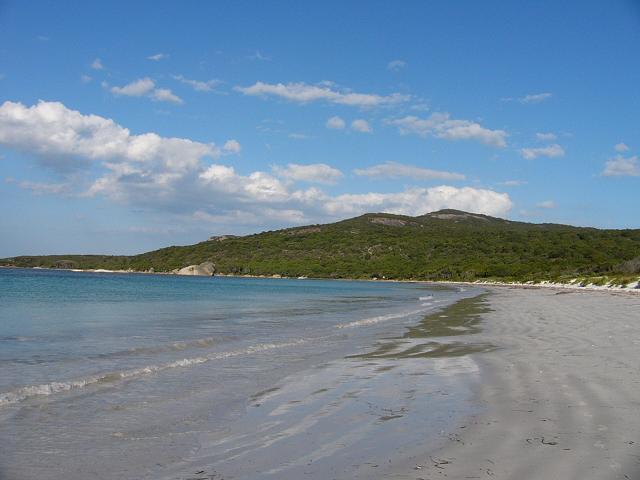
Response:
column 205, row 269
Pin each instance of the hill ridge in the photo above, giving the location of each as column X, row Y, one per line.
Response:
column 447, row 244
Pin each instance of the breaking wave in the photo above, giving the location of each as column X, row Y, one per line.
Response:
column 30, row 391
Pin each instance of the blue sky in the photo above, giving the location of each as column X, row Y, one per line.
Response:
column 128, row 126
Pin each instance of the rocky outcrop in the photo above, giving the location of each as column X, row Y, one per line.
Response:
column 222, row 238
column 389, row 222
column 205, row 269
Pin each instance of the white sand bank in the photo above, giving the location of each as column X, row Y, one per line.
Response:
column 561, row 395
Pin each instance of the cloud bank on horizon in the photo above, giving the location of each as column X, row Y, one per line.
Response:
column 179, row 174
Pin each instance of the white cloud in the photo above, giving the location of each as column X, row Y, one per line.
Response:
column 396, row 65
column 621, row 147
column 530, row 98
column 97, row 64
column 418, row 201
column 361, row 125
column 398, row 170
column 440, row 125
column 232, row 146
column 620, row 166
column 2, row 76
column 546, row 204
column 552, row 151
column 513, row 183
column 145, row 87
column 336, row 123
column 137, row 88
column 198, row 85
column 535, row 98
column 255, row 187
column 158, row 56
column 546, row 137
column 97, row 157
column 165, row 95
column 85, row 79
column 313, row 173
column 304, row 93
column 66, row 139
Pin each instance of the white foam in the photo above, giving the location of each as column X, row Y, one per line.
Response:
column 30, row 391
column 378, row 319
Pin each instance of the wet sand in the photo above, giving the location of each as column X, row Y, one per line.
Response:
column 362, row 416
column 560, row 397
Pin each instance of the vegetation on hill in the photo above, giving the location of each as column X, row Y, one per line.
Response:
column 444, row 245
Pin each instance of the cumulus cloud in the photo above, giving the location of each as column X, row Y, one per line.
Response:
column 85, row 79
column 336, row 123
column 313, row 173
column 546, row 137
column 165, row 95
column 232, row 146
column 305, row 93
column 145, row 87
column 417, row 201
column 255, row 187
column 137, row 88
column 66, row 139
column 621, row 147
column 396, row 65
column 198, row 85
column 361, row 126
column 158, row 56
column 551, row 151
column 97, row 64
column 398, row 170
column 97, row 157
column 441, row 125
column 620, row 166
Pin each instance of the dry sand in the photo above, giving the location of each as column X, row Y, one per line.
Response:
column 561, row 395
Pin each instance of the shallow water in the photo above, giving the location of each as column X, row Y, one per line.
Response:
column 150, row 376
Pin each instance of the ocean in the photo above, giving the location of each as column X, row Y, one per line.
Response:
column 106, row 375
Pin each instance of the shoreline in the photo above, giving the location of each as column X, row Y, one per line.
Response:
column 557, row 396
column 632, row 288
column 335, row 399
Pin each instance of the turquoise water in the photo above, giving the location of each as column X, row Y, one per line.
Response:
column 87, row 358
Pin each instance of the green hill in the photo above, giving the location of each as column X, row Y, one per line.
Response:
column 443, row 245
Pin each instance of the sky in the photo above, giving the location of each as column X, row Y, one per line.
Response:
column 130, row 126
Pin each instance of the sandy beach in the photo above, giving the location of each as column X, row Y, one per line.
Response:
column 560, row 396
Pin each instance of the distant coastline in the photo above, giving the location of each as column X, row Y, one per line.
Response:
column 448, row 245
column 577, row 284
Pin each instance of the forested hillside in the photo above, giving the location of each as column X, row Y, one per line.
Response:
column 444, row 245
